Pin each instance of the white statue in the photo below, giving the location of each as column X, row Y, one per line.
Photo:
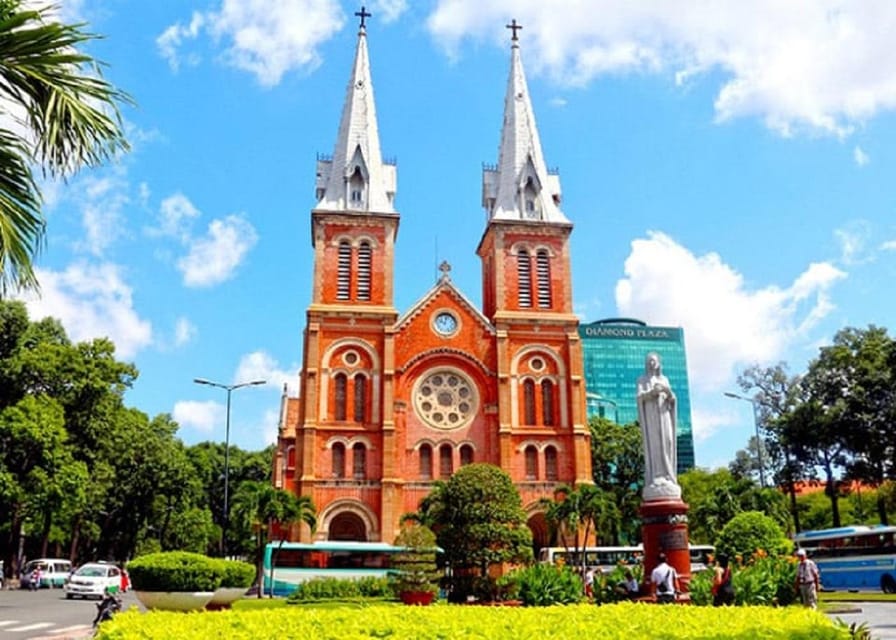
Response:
column 657, row 416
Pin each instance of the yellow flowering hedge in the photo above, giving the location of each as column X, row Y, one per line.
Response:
column 624, row 621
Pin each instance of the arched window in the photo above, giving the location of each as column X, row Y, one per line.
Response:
column 466, row 455
column 547, row 403
column 340, row 382
column 524, row 275
column 543, row 273
column 531, row 463
column 338, row 460
column 425, row 462
column 344, row 272
column 356, row 189
column 360, row 407
column 446, row 461
column 530, row 200
column 364, row 265
column 528, row 402
column 359, row 461
column 550, row 463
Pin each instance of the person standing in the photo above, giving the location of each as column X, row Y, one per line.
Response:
column 589, row 584
column 722, row 587
column 664, row 579
column 807, row 580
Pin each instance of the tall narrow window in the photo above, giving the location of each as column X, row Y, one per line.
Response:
column 543, row 266
column 359, row 461
column 524, row 274
column 344, row 273
column 364, row 262
column 547, row 403
column 550, row 463
column 425, row 462
column 339, row 387
column 360, row 398
column 338, row 460
column 446, row 461
column 531, row 463
column 466, row 455
column 356, row 189
column 528, row 402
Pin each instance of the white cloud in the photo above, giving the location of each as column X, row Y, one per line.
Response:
column 860, row 156
column 889, row 245
column 270, row 426
column 215, row 257
column 822, row 66
column 176, row 214
column 853, row 238
column 706, row 422
column 92, row 301
column 184, row 331
column 388, row 10
column 203, row 416
column 101, row 200
column 726, row 323
column 260, row 365
column 267, row 39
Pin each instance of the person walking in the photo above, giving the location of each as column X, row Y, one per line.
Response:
column 589, row 584
column 664, row 579
column 807, row 580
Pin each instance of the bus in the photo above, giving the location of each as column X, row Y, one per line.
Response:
column 859, row 557
column 608, row 558
column 299, row 562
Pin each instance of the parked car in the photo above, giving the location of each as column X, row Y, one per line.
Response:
column 53, row 572
column 93, row 579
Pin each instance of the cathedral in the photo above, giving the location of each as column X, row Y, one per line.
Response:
column 391, row 401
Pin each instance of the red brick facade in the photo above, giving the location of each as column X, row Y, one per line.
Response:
column 389, row 403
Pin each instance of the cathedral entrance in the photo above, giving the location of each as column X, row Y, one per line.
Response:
column 348, row 527
column 541, row 533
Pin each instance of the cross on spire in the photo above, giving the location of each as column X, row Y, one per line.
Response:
column 363, row 13
column 513, row 26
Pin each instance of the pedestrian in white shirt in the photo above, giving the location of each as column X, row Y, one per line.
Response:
column 664, row 579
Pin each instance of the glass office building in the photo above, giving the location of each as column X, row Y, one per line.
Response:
column 615, row 350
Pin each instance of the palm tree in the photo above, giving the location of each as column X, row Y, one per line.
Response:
column 261, row 505
column 57, row 113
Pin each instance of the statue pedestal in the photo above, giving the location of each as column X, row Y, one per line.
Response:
column 665, row 530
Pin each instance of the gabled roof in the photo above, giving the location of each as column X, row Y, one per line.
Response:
column 444, row 284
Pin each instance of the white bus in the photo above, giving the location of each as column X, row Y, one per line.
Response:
column 859, row 557
column 608, row 558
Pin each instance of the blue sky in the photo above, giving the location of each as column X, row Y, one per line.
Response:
column 728, row 170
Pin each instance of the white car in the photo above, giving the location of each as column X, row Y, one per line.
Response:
column 92, row 580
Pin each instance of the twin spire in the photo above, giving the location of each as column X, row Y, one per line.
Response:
column 355, row 178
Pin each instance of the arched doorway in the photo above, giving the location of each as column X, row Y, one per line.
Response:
column 541, row 533
column 348, row 527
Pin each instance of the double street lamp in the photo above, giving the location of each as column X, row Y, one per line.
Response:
column 229, row 388
column 759, row 459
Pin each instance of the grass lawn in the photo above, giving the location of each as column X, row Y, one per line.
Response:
column 856, row 596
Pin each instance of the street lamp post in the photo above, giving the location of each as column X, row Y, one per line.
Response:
column 753, row 403
column 229, row 388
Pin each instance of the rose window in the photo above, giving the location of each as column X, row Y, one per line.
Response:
column 445, row 399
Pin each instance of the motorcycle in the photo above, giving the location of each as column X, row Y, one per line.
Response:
column 110, row 605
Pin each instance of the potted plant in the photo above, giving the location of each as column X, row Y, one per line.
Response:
column 236, row 578
column 416, row 574
column 175, row 580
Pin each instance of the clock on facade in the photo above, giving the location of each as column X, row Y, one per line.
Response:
column 445, row 323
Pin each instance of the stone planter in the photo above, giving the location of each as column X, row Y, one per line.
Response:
column 175, row 600
column 224, row 597
column 421, row 598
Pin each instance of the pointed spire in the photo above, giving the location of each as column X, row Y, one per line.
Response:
column 356, row 178
column 520, row 186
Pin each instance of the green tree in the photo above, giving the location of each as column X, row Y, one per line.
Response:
column 261, row 506
column 70, row 117
column 751, row 531
column 617, row 463
column 479, row 521
column 578, row 513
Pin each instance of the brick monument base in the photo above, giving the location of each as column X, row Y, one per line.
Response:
column 664, row 529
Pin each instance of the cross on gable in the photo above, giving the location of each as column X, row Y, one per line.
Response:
column 513, row 26
column 363, row 13
column 445, row 268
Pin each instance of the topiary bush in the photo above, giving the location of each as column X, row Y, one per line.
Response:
column 541, row 585
column 237, row 574
column 341, row 589
column 176, row 571
column 749, row 532
column 415, row 566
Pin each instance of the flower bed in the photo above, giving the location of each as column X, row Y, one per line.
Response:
column 615, row 622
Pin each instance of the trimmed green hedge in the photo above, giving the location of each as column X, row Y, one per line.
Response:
column 341, row 589
column 184, row 571
column 625, row 621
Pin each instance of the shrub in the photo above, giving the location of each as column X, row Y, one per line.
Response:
column 341, row 589
column 235, row 573
column 415, row 566
column 545, row 584
column 175, row 571
column 749, row 532
column 763, row 580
